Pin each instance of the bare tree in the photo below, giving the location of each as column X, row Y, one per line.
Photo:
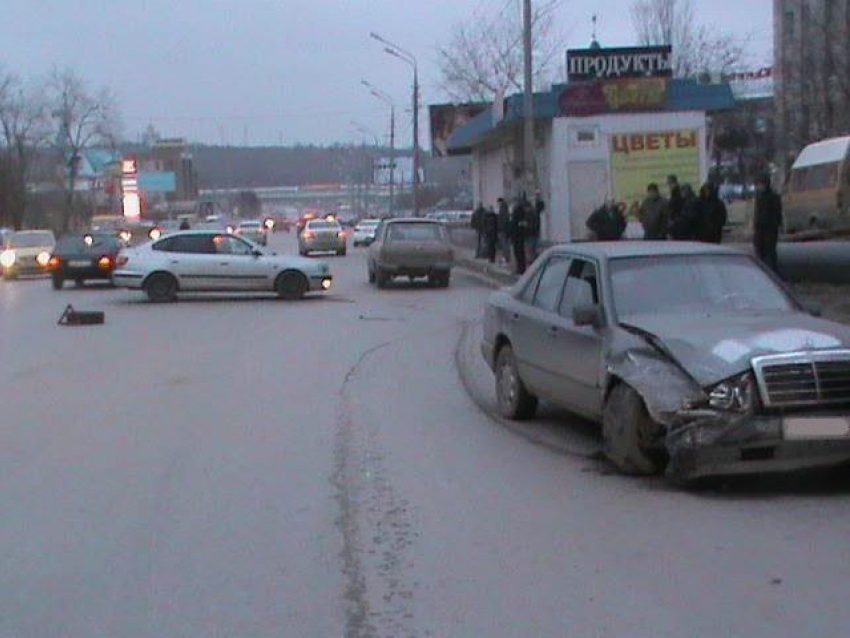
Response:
column 21, row 127
column 80, row 119
column 697, row 48
column 483, row 58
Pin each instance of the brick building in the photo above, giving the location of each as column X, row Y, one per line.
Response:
column 812, row 73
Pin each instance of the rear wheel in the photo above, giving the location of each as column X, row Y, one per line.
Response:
column 381, row 278
column 79, row 282
column 629, row 433
column 161, row 288
column 291, row 285
column 514, row 399
column 57, row 282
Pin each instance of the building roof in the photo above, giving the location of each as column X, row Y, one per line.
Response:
column 683, row 95
column 643, row 248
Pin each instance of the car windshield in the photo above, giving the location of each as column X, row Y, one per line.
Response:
column 694, row 284
column 416, row 232
column 30, row 240
column 322, row 225
column 77, row 243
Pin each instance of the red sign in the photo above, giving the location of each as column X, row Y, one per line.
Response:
column 614, row 96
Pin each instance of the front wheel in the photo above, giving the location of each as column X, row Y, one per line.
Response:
column 515, row 401
column 57, row 282
column 291, row 286
column 629, row 433
column 161, row 288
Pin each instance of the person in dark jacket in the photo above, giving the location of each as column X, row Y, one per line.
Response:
column 477, row 222
column 184, row 225
column 519, row 231
column 685, row 226
column 767, row 222
column 504, row 228
column 676, row 202
column 607, row 223
column 712, row 215
column 535, row 213
column 653, row 214
column 490, row 229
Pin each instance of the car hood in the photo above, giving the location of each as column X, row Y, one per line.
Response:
column 32, row 251
column 713, row 348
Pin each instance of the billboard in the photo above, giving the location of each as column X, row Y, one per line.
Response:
column 446, row 119
column 613, row 96
column 585, row 65
column 752, row 85
column 638, row 159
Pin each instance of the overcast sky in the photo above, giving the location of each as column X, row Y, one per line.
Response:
column 269, row 71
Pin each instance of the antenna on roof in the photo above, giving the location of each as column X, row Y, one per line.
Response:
column 594, row 43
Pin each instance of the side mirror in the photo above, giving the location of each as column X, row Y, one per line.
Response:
column 589, row 315
column 257, row 253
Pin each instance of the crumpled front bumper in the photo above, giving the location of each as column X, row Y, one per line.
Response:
column 707, row 443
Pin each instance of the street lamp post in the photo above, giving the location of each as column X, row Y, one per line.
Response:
column 409, row 58
column 385, row 97
column 363, row 130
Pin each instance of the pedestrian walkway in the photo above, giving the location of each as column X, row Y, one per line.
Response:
column 499, row 273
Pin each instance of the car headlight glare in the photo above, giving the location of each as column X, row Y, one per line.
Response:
column 43, row 259
column 7, row 258
column 734, row 395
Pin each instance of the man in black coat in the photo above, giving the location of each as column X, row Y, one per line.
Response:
column 676, row 201
column 477, row 224
column 519, row 230
column 712, row 215
column 686, row 225
column 504, row 226
column 767, row 222
column 607, row 223
column 490, row 230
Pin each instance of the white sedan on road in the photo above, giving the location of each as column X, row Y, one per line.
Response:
column 210, row 261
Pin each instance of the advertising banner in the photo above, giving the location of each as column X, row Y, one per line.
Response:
column 638, row 159
column 614, row 96
column 446, row 119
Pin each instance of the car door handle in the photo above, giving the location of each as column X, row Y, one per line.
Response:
column 175, row 261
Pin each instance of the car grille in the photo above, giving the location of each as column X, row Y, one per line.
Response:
column 804, row 379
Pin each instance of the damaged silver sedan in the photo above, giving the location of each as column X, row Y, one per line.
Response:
column 694, row 358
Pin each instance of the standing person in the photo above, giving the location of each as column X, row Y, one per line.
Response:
column 477, row 225
column 519, row 231
column 535, row 213
column 607, row 222
column 677, row 201
column 685, row 227
column 712, row 215
column 490, row 225
column 653, row 214
column 504, row 228
column 767, row 222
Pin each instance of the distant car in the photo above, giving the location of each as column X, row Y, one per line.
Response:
column 694, row 358
column 411, row 248
column 27, row 252
column 254, row 230
column 364, row 232
column 208, row 261
column 322, row 235
column 83, row 257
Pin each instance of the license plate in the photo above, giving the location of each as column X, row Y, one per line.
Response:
column 801, row 428
column 79, row 264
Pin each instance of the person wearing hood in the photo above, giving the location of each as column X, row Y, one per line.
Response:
column 685, row 226
column 653, row 214
column 712, row 215
column 607, row 223
column 766, row 222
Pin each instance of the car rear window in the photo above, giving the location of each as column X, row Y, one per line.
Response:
column 416, row 232
column 322, row 225
column 77, row 244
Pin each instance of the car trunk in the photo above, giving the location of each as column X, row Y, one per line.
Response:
column 416, row 253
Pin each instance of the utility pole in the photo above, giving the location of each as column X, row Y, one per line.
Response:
column 385, row 97
column 528, row 168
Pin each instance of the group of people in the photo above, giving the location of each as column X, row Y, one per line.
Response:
column 513, row 231
column 686, row 216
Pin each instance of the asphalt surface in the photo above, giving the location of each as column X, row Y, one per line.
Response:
column 332, row 467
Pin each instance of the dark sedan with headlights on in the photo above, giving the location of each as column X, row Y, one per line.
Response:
column 694, row 359
column 83, row 257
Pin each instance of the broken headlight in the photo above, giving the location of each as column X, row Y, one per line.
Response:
column 734, row 395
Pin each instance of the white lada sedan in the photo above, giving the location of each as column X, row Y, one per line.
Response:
column 210, row 261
